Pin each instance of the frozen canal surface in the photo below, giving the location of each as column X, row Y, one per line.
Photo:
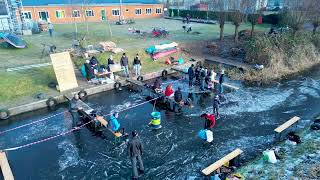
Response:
column 249, row 116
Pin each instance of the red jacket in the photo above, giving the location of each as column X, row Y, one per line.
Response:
column 168, row 92
column 210, row 120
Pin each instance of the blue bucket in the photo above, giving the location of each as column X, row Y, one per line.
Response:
column 156, row 115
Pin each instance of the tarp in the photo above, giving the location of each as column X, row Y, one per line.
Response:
column 164, row 53
column 13, row 40
column 161, row 47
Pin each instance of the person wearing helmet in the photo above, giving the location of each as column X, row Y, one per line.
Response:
column 216, row 104
column 135, row 148
column 74, row 107
column 114, row 123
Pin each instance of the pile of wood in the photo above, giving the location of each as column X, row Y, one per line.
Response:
column 107, row 46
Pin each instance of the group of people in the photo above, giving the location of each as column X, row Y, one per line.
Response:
column 92, row 67
column 199, row 75
column 135, row 146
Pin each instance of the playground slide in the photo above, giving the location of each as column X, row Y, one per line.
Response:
column 13, row 40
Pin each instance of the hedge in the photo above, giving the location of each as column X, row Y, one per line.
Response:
column 214, row 15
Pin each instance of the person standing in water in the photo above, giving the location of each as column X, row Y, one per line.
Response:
column 74, row 107
column 135, row 148
column 221, row 81
column 216, row 104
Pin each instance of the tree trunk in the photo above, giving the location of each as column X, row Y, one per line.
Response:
column 236, row 34
column 221, row 31
column 252, row 30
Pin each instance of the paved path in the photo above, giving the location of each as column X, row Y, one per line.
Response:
column 229, row 62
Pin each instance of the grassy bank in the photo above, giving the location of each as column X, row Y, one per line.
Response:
column 281, row 55
column 22, row 85
column 297, row 161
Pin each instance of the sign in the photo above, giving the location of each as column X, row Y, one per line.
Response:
column 63, row 68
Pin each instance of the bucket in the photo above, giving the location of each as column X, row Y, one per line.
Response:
column 156, row 115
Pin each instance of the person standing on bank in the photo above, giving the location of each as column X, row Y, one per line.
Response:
column 50, row 28
column 137, row 65
column 191, row 75
column 135, row 148
column 74, row 107
column 124, row 64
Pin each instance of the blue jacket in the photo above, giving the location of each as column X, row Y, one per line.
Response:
column 115, row 125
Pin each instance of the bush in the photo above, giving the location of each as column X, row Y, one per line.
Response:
column 212, row 15
column 271, row 19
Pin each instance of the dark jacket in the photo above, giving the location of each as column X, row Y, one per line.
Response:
column 221, row 79
column 110, row 61
column 202, row 74
column 135, row 147
column 74, row 105
column 216, row 102
column 87, row 67
column 157, row 84
column 93, row 61
column 124, row 61
column 136, row 61
column 178, row 96
column 191, row 73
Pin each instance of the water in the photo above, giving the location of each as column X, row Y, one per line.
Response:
column 249, row 116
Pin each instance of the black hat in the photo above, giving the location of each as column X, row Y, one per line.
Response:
column 134, row 133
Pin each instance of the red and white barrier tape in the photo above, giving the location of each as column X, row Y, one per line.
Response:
column 34, row 122
column 69, row 131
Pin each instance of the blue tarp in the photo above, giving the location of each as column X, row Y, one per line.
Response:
column 13, row 40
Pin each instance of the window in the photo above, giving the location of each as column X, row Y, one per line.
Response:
column 75, row 13
column 158, row 10
column 60, row 14
column 44, row 15
column 148, row 11
column 115, row 12
column 26, row 14
column 138, row 11
column 89, row 13
column 127, row 10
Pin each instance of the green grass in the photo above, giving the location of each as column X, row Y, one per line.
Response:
column 16, row 85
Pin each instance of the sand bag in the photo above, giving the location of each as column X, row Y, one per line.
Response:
column 209, row 135
column 269, row 156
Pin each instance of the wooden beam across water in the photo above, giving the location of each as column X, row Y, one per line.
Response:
column 207, row 171
column 5, row 167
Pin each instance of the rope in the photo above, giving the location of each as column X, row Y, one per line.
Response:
column 34, row 122
column 69, row 131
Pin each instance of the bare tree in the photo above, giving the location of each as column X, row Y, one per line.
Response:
column 237, row 18
column 314, row 14
column 295, row 14
column 222, row 16
column 253, row 19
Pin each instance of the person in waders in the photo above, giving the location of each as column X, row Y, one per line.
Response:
column 74, row 107
column 210, row 121
column 135, row 148
column 216, row 104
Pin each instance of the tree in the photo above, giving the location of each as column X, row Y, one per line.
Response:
column 236, row 18
column 253, row 19
column 222, row 16
column 314, row 14
column 222, row 19
column 295, row 14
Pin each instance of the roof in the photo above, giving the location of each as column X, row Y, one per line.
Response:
column 88, row 2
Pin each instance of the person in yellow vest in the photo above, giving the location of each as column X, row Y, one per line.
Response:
column 156, row 120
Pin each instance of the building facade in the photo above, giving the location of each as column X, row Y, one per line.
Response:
column 95, row 11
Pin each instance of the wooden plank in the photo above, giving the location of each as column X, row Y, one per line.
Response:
column 135, row 82
column 64, row 71
column 28, row 67
column 5, row 167
column 102, row 121
column 207, row 171
column 229, row 62
column 227, row 85
column 287, row 124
